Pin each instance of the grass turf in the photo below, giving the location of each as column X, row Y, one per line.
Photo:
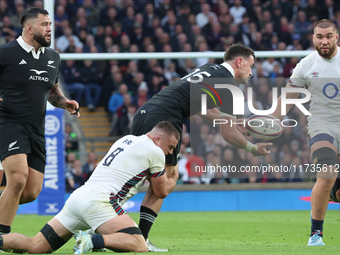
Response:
column 272, row 232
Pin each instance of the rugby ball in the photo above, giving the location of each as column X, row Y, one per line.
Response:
column 264, row 127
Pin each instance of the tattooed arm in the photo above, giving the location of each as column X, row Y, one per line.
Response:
column 57, row 99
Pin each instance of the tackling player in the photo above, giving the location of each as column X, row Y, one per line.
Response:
column 181, row 100
column 97, row 205
column 320, row 72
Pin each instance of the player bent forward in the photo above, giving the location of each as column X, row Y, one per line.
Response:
column 98, row 204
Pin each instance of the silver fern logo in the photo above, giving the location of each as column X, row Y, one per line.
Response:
column 10, row 146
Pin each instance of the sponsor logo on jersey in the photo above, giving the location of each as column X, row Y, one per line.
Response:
column 38, row 77
column 315, row 74
column 38, row 72
column 142, row 111
column 49, row 63
column 10, row 146
column 22, row 62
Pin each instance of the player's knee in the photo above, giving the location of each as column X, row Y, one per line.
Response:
column 325, row 158
column 161, row 194
column 326, row 183
column 137, row 242
column 141, row 245
column 17, row 182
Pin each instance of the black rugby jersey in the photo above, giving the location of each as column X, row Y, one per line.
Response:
column 25, row 83
column 183, row 97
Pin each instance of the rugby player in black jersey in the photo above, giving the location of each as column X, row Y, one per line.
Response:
column 181, row 100
column 28, row 79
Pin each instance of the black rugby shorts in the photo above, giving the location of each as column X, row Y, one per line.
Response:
column 147, row 116
column 16, row 138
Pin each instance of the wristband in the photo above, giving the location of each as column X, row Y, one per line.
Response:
column 77, row 110
column 250, row 147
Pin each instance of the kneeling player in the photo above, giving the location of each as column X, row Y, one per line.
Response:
column 98, row 204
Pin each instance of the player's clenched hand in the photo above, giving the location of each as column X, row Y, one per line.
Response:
column 261, row 149
column 73, row 107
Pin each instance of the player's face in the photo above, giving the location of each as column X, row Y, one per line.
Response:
column 167, row 144
column 325, row 40
column 244, row 72
column 42, row 30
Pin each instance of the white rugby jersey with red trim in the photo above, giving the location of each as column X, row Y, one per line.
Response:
column 322, row 78
column 126, row 165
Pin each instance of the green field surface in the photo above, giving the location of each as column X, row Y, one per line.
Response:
column 272, row 232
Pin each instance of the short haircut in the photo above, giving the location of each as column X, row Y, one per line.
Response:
column 168, row 128
column 30, row 13
column 325, row 23
column 238, row 50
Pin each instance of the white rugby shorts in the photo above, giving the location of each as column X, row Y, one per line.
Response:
column 86, row 208
column 317, row 127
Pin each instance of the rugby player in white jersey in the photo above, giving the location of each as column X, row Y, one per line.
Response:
column 97, row 205
column 320, row 73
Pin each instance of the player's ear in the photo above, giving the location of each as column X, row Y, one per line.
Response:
column 157, row 138
column 30, row 29
column 239, row 62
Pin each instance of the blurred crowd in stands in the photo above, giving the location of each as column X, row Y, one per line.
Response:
column 113, row 26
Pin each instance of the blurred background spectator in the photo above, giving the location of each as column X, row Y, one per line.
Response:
column 71, row 139
column 90, row 165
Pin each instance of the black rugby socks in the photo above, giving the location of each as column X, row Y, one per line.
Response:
column 147, row 218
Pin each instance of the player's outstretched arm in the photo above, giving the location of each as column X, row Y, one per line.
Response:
column 232, row 135
column 57, row 99
column 211, row 115
column 230, row 132
column 277, row 112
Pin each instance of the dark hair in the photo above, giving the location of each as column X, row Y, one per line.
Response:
column 30, row 13
column 168, row 128
column 238, row 50
column 325, row 23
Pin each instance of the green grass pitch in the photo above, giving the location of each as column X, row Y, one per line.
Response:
column 273, row 232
